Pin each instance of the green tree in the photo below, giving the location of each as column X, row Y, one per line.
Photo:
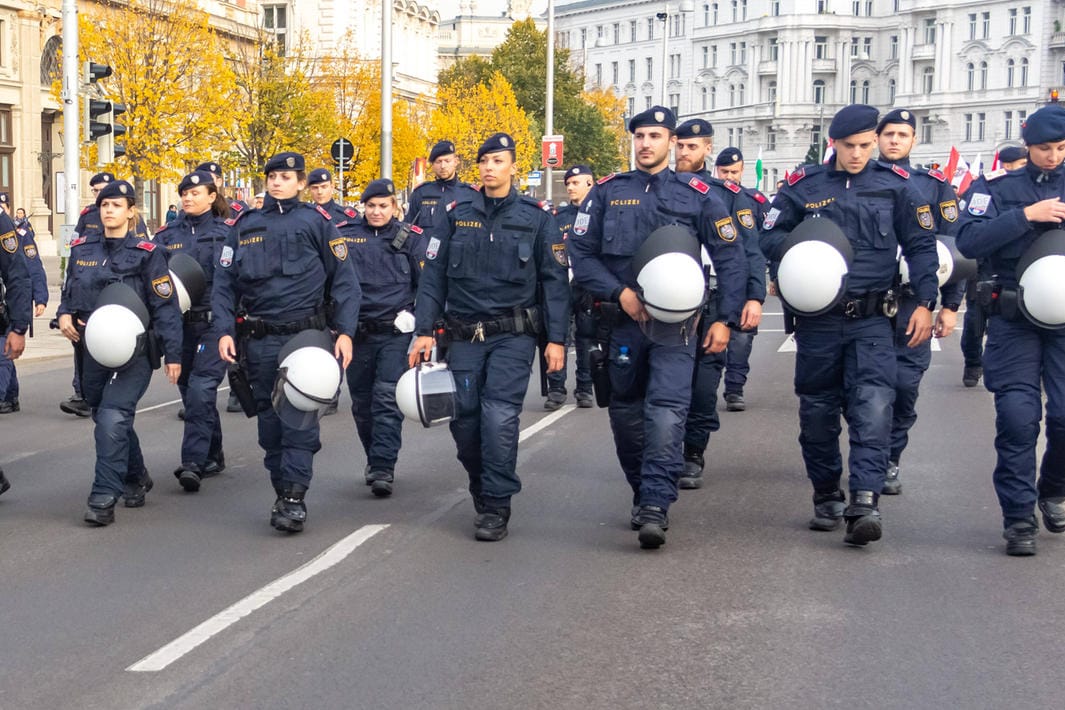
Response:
column 469, row 71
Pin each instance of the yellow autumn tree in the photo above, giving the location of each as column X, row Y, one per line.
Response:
column 169, row 71
column 612, row 108
column 469, row 114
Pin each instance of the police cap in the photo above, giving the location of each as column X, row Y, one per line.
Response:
column 898, row 115
column 100, row 179
column 284, row 161
column 1045, row 125
column 213, row 168
column 654, row 116
column 378, row 188
column 496, row 143
column 1011, row 153
column 729, row 156
column 116, row 188
column 318, row 176
column 441, row 149
column 5, row 198
column 576, row 170
column 856, row 118
column 196, row 177
column 695, row 128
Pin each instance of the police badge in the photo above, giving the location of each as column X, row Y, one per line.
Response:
column 31, row 251
column 432, row 249
column 979, row 203
column 771, row 218
column 9, row 242
column 726, row 229
column 924, row 217
column 162, row 287
column 226, row 259
column 580, row 225
column 559, row 252
column 949, row 210
column 340, row 248
column 746, row 219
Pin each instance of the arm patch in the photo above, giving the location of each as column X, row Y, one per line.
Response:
column 733, row 187
column 146, row 246
column 416, row 229
column 699, row 186
column 796, row 176
column 937, row 175
column 900, row 172
column 996, row 174
column 322, row 211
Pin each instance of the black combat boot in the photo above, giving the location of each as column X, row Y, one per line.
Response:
column 4, row 483
column 653, row 523
column 828, row 510
column 189, row 476
column 101, row 510
column 692, row 477
column 1020, row 536
column 863, row 519
column 1053, row 510
column 216, row 463
column 289, row 512
column 380, row 480
column 892, row 485
column 134, row 492
column 492, row 524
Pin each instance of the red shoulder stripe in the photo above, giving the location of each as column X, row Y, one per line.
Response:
column 146, row 246
column 698, row 185
column 605, row 178
column 796, row 176
column 322, row 211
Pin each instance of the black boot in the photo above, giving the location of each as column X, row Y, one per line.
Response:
column 828, row 510
column 492, row 524
column 1020, row 536
column 892, row 485
column 290, row 512
column 970, row 376
column 101, row 510
column 692, row 477
column 135, row 491
column 189, row 476
column 653, row 523
column 4, row 483
column 1053, row 510
column 77, row 406
column 215, row 465
column 380, row 480
column 863, row 519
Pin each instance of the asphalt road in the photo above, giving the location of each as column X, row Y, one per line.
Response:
column 743, row 607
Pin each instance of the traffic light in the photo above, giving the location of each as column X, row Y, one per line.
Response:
column 94, row 119
column 1053, row 96
column 98, row 122
column 110, row 146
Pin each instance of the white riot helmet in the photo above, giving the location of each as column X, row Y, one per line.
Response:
column 1041, row 280
column 953, row 267
column 426, row 393
column 308, row 379
column 815, row 260
column 190, row 283
column 672, row 284
column 116, row 332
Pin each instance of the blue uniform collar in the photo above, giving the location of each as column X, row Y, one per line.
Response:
column 286, row 205
column 1040, row 175
column 200, row 219
column 658, row 178
column 382, row 231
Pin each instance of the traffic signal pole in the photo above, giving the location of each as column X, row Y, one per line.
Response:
column 71, row 129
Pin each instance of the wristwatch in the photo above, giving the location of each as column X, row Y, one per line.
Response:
column 930, row 304
column 952, row 306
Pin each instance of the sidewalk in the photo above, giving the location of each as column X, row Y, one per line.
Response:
column 47, row 343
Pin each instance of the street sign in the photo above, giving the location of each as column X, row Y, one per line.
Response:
column 342, row 151
column 551, row 149
column 535, row 178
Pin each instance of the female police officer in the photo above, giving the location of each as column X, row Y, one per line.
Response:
column 387, row 255
column 1005, row 213
column 199, row 232
column 282, row 264
column 96, row 261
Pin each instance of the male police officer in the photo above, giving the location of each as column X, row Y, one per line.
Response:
column 429, row 195
column 694, row 144
column 845, row 362
column 1006, row 213
column 236, row 207
column 495, row 269
column 9, row 389
column 578, row 181
column 16, row 306
column 896, row 137
column 651, row 381
column 320, row 184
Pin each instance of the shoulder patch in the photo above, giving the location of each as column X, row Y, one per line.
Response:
column 451, row 205
column 924, row 217
column 726, row 229
column 757, row 195
column 996, row 174
column 30, row 251
column 351, row 212
column 733, row 187
column 416, row 229
column 545, row 206
column 236, row 206
column 325, row 213
column 559, row 252
column 146, row 246
column 78, row 241
column 746, row 219
column 796, row 176
column 9, row 242
column 698, row 185
column 161, row 228
column 900, row 172
column 233, row 220
column 606, row 178
column 86, row 209
column 938, row 175
column 162, row 286
column 339, row 248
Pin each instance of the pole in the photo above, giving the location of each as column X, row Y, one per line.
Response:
column 71, row 127
column 665, row 50
column 821, row 133
column 340, row 171
column 386, row 89
column 549, row 106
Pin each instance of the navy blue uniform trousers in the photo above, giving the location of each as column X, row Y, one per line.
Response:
column 912, row 364
column 377, row 364
column 113, row 397
column 202, row 371
column 702, row 419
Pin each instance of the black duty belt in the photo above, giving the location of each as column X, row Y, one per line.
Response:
column 877, row 303
column 197, row 316
column 255, row 327
column 523, row 320
column 377, row 327
column 999, row 300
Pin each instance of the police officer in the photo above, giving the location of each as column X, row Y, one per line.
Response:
column 320, row 185
column 425, row 198
column 1005, row 212
column 283, row 264
column 729, row 166
column 96, row 260
column 495, row 270
column 578, row 181
column 388, row 255
column 651, row 382
column 235, row 206
column 694, row 144
column 896, row 137
column 199, row 231
column 845, row 362
column 9, row 389
column 15, row 301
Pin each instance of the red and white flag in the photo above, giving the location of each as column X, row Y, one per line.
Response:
column 952, row 163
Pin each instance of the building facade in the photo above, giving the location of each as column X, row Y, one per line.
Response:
column 770, row 74
column 472, row 34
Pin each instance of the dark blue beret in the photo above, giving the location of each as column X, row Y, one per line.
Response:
column 898, row 115
column 1045, row 125
column 213, row 168
column 654, row 116
column 856, row 118
column 284, row 161
column 576, row 170
column 729, row 156
column 319, row 175
column 101, row 178
column 195, row 178
column 496, row 143
column 1011, row 153
column 116, row 188
column 378, row 188
column 695, row 128
column 441, row 148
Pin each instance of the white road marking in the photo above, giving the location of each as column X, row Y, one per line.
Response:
column 180, row 646
column 173, row 401
column 546, row 422
column 788, row 346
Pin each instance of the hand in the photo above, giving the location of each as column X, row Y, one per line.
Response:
column 716, row 338
column 38, row 310
column 946, row 319
column 772, row 288
column 66, row 327
column 555, row 354
column 630, row 303
column 14, row 346
column 173, row 372
column 751, row 315
column 421, row 350
column 227, row 349
column 1052, row 210
column 919, row 327
column 343, row 350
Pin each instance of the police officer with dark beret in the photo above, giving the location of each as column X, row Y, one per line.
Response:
column 27, row 247
column 16, row 308
column 1013, row 157
column 288, row 268
column 425, row 198
column 1007, row 214
column 235, row 206
column 320, row 185
column 388, row 255
column 694, row 145
column 845, row 359
column 896, row 137
column 495, row 270
column 650, row 381
column 98, row 259
column 199, row 231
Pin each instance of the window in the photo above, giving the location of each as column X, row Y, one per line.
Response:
column 632, row 106
column 674, row 103
column 50, row 61
column 713, row 55
column 735, row 138
column 614, row 73
column 865, row 92
column 731, row 94
column 980, row 120
column 617, row 33
column 815, row 137
column 985, row 19
column 713, row 12
column 677, row 25
column 706, row 56
column 599, row 34
column 928, row 79
column 743, row 52
column 742, row 93
column 822, row 7
column 1010, row 69
column 632, row 70
column 632, row 30
column 891, row 91
column 706, row 98
column 771, row 92
column 275, row 21
column 972, row 25
column 743, row 9
column 732, row 53
column 1026, row 20
column 968, row 128
column 819, row 92
column 856, row 8
column 584, row 38
column 1012, row 15
column 894, row 47
column 930, row 31
column 650, row 28
column 598, row 74
column 1007, row 133
column 770, row 138
column 774, row 50
column 706, row 15
column 820, row 47
column 7, row 151
column 983, row 75
column 970, row 73
column 854, row 47
column 562, row 40
column 774, row 7
column 647, row 102
column 650, row 68
column 926, row 129
column 867, row 48
column 854, row 91
column 1024, row 72
column 735, row 10
column 674, row 65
